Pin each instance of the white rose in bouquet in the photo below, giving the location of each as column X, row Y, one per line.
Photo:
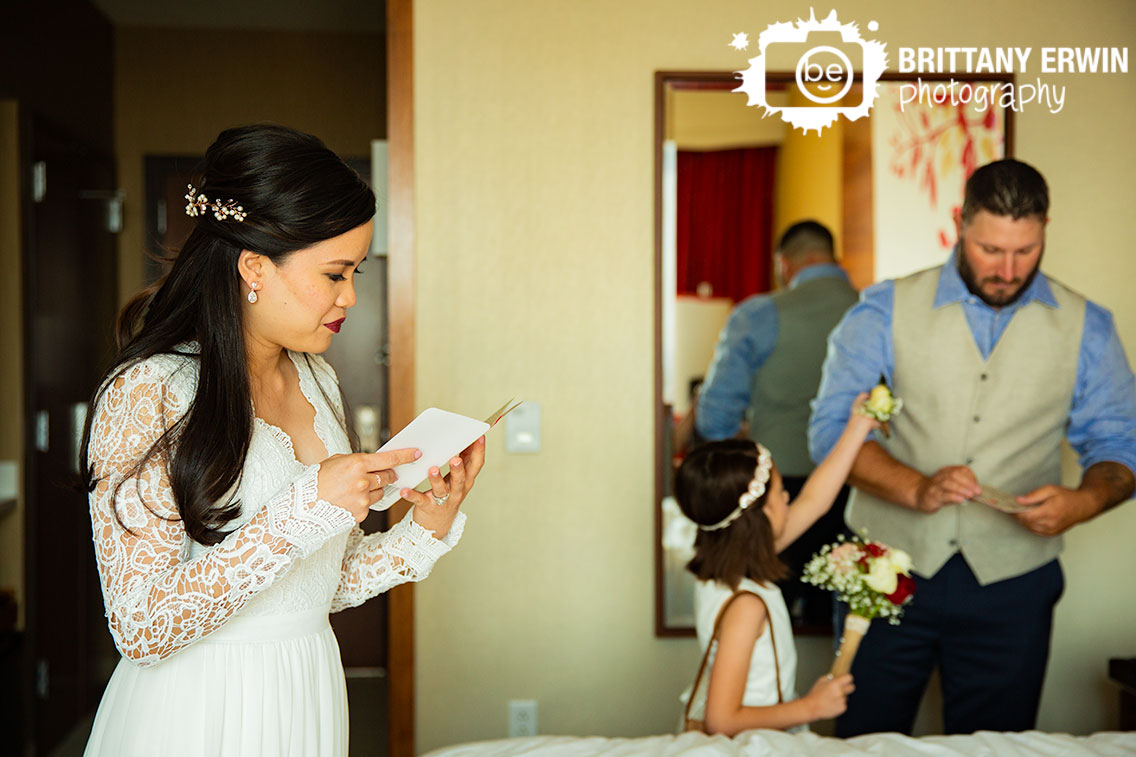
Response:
column 901, row 560
column 882, row 576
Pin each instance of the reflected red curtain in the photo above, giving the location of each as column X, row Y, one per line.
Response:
column 725, row 220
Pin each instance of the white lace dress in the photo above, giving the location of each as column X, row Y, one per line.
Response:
column 227, row 649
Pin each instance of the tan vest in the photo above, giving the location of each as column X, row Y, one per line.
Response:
column 1005, row 417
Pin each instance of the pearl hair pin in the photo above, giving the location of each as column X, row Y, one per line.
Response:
column 199, row 204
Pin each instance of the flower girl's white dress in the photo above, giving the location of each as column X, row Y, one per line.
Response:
column 227, row 649
column 765, row 679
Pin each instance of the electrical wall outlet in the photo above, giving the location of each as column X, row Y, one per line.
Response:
column 522, row 717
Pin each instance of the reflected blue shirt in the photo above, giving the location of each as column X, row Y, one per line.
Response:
column 744, row 345
column 1102, row 420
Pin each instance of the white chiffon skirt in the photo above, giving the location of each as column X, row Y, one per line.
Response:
column 266, row 685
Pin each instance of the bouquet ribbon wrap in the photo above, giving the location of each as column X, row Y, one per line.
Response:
column 855, row 626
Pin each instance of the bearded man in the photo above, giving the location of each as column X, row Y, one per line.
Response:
column 996, row 364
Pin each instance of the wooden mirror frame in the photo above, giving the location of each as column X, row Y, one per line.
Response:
column 400, row 307
column 861, row 263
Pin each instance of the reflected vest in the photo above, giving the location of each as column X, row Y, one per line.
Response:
column 1004, row 417
column 786, row 383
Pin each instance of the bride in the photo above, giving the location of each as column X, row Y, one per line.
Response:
column 224, row 493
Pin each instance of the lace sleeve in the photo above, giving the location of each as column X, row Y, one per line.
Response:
column 378, row 562
column 158, row 601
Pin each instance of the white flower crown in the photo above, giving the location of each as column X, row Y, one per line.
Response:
column 752, row 493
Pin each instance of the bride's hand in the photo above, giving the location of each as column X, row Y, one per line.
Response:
column 355, row 482
column 436, row 509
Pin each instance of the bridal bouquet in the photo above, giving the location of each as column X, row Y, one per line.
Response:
column 874, row 579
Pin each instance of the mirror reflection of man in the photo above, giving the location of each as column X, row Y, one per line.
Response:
column 996, row 364
column 765, row 371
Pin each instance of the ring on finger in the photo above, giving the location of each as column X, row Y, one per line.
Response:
column 439, row 501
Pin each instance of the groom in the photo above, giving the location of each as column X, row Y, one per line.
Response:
column 996, row 364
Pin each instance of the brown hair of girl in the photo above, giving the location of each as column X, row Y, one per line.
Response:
column 707, row 487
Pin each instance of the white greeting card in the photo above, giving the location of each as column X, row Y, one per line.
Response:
column 441, row 435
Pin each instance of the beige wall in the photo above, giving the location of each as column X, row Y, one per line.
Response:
column 534, row 129
column 712, row 120
column 11, row 349
column 175, row 90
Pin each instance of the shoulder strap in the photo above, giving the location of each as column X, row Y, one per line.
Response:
column 714, row 636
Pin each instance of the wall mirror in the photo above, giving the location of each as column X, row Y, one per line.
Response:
column 729, row 180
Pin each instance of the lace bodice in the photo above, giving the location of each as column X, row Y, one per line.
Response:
column 287, row 551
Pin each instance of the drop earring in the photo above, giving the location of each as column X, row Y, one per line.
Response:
column 252, row 292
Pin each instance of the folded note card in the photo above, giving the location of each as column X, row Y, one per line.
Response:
column 1000, row 500
column 441, row 435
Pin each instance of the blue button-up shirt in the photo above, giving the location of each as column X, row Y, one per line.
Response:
column 744, row 345
column 1102, row 420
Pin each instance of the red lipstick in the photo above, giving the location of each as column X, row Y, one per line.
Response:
column 335, row 325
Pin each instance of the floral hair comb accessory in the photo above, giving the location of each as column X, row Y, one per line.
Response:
column 752, row 493
column 199, row 204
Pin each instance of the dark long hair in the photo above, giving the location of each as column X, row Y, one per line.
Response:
column 296, row 193
column 707, row 487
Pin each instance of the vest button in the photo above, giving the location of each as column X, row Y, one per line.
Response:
column 983, row 377
column 977, row 418
column 969, row 460
column 954, row 542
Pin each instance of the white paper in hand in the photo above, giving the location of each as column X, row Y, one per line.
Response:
column 1000, row 500
column 440, row 435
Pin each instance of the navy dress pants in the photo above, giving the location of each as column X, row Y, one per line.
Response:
column 990, row 643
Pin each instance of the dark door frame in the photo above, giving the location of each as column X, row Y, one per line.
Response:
column 400, row 304
column 82, row 684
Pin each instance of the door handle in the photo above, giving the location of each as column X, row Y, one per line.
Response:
column 77, row 416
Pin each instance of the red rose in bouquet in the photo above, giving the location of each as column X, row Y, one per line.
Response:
column 904, row 588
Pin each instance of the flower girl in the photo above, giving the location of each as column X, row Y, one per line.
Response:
column 732, row 491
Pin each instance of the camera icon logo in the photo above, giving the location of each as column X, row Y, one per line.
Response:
column 825, row 73
column 829, row 58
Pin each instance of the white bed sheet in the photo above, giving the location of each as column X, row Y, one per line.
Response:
column 1026, row 744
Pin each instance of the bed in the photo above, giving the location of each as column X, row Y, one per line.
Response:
column 1031, row 743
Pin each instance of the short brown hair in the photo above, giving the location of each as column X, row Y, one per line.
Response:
column 1006, row 187
column 707, row 487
